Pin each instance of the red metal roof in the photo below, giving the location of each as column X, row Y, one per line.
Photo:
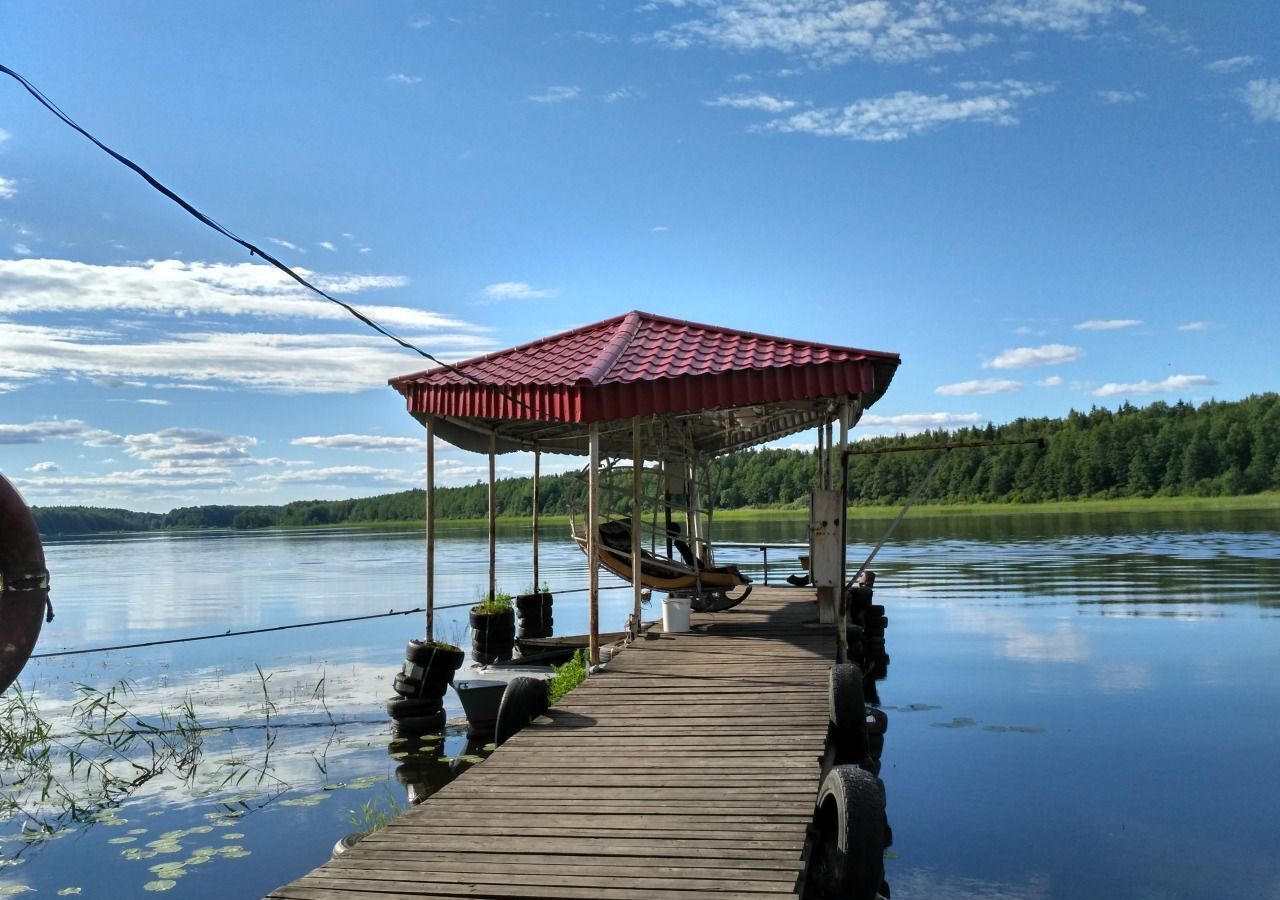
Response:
column 640, row 364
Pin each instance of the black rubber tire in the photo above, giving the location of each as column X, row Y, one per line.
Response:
column 526, row 618
column 409, row 687
column 492, row 621
column 858, row 598
column 412, row 707
column 848, row 713
column 875, row 610
column 439, row 662
column 493, row 635
column 526, row 603
column 523, row 701
column 420, row 725
column 877, row 720
column 847, row 838
column 526, row 633
column 487, row 658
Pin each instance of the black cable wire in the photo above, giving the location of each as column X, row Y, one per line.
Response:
column 251, row 631
column 254, row 249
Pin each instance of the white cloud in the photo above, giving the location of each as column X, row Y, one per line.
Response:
column 8, row 188
column 1107, row 324
column 42, row 467
column 337, row 475
column 1262, row 96
column 763, row 102
column 402, row 78
column 191, row 447
column 658, row 229
column 832, row 32
column 58, row 429
column 1051, row 381
column 1025, row 357
column 922, row 421
column 557, row 94
column 328, row 245
column 978, row 387
column 1195, row 326
column 827, row 32
column 420, row 22
column 595, row 37
column 1115, row 97
column 1056, row 15
column 622, row 93
column 1231, row 64
column 176, row 288
column 21, row 249
column 4, row 135
column 288, row 245
column 151, row 401
column 267, row 362
column 908, row 113
column 367, row 442
column 1169, row 385
column 514, row 290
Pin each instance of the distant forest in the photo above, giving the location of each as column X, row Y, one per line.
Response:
column 1216, row 449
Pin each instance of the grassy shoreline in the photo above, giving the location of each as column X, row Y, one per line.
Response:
column 1265, row 502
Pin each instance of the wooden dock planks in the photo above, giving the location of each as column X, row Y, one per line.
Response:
column 689, row 768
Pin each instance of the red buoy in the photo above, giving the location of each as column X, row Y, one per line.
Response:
column 24, row 583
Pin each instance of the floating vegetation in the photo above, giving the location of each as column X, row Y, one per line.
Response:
column 308, row 800
column 12, row 889
column 1019, row 729
column 915, row 707
column 163, row 884
column 957, row 722
column 68, row 892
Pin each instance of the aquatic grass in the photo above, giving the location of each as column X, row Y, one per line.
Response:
column 376, row 813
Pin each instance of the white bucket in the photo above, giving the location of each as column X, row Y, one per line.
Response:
column 675, row 613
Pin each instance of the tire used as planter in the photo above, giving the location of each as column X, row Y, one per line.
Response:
column 534, row 602
column 409, row 687
column 481, row 621
column 438, row 661
column 848, row 713
column 847, row 838
column 523, row 701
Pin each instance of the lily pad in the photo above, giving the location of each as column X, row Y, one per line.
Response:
column 162, row 884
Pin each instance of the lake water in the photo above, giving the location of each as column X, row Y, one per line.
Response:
column 1080, row 707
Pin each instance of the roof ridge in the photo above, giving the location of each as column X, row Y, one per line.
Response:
column 612, row 350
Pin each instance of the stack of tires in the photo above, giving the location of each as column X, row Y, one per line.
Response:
column 420, row 686
column 850, row 830
column 493, row 636
column 535, row 614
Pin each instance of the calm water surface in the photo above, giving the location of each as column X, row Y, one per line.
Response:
column 1080, row 707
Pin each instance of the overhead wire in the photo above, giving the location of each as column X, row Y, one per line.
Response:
column 254, row 249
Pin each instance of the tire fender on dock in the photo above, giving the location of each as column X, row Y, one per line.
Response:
column 24, row 584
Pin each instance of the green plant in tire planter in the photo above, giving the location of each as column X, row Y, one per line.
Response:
column 493, row 629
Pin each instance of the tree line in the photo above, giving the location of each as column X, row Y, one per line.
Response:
column 1216, row 449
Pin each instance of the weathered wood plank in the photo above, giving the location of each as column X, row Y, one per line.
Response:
column 687, row 768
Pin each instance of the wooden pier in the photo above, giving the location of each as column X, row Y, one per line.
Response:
column 689, row 768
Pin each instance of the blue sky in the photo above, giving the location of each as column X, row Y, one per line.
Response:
column 1040, row 204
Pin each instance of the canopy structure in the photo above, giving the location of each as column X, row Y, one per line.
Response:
column 698, row 389
column 643, row 387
